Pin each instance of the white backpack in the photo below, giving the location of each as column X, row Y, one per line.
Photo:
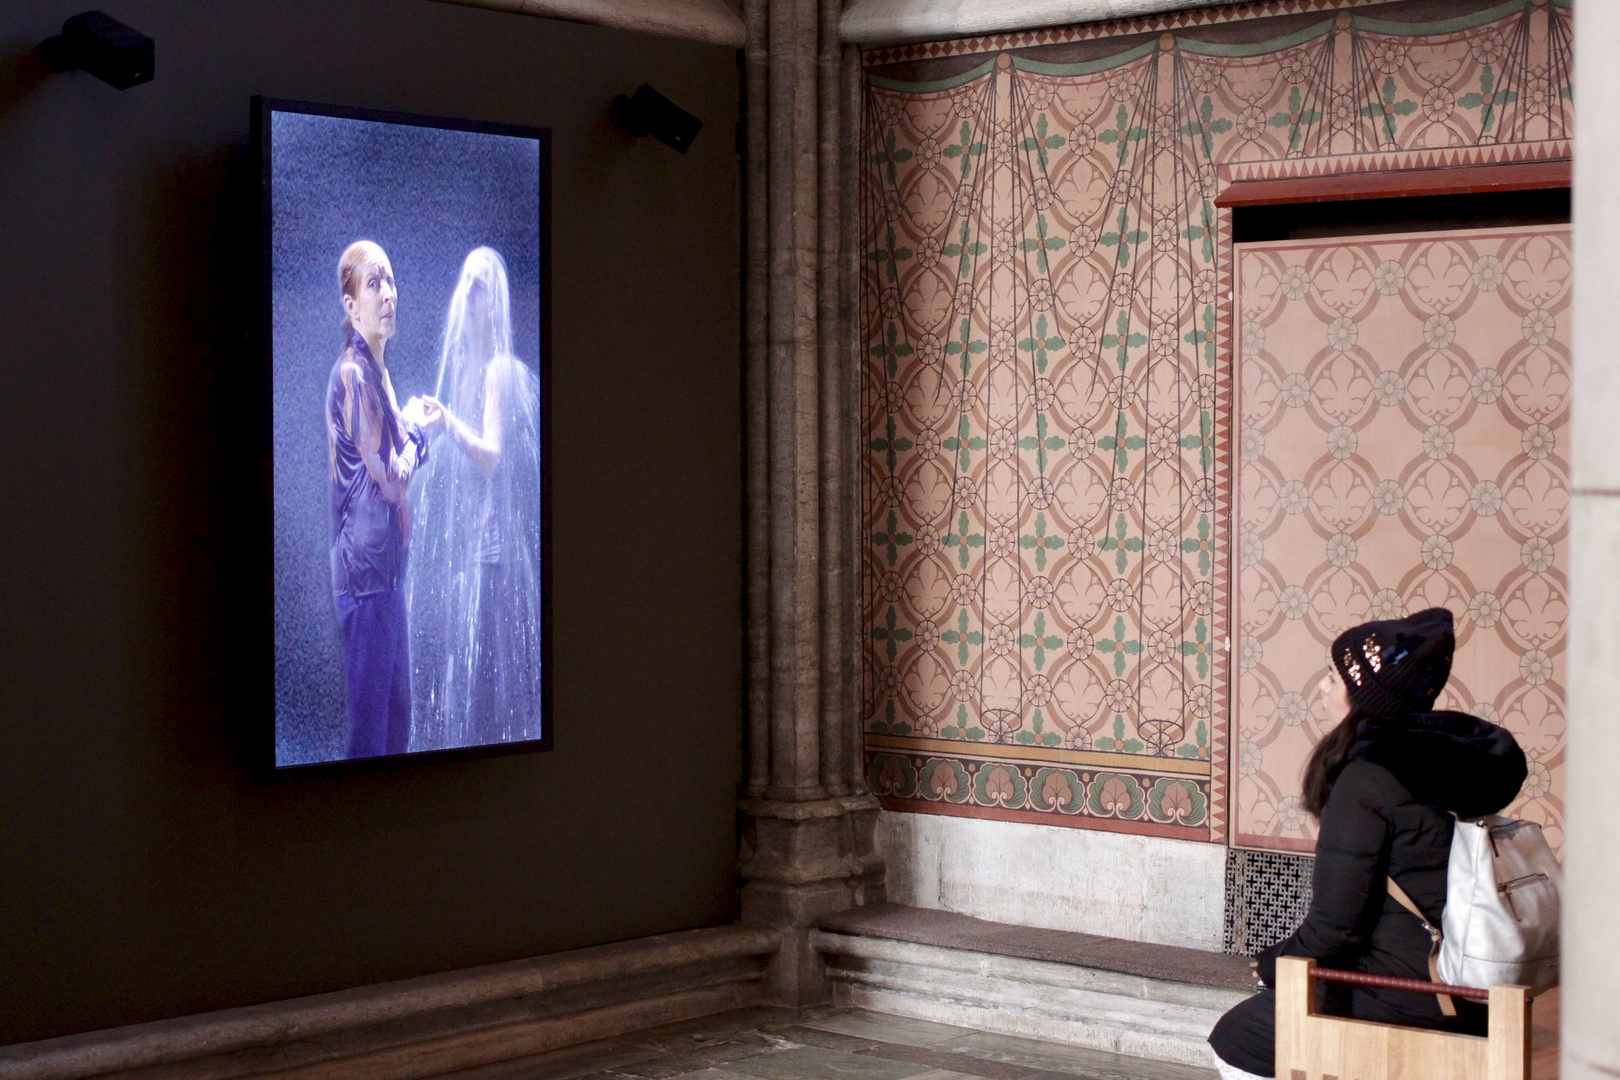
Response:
column 1501, row 916
column 1500, row 923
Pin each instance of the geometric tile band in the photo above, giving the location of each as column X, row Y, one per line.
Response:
column 1267, row 895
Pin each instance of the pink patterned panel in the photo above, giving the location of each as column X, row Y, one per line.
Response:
column 1403, row 407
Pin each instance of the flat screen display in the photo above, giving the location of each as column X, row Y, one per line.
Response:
column 407, row 293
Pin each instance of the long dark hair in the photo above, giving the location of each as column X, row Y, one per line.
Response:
column 1327, row 761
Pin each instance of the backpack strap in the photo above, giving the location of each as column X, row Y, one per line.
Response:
column 1447, row 1006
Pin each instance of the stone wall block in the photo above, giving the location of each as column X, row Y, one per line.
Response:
column 1591, row 935
column 1591, row 1038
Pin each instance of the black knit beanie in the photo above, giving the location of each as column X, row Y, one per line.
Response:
column 1398, row 665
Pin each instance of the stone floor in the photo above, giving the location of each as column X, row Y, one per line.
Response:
column 825, row 1043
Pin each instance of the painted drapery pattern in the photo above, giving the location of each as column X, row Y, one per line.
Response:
column 1402, row 422
column 1047, row 390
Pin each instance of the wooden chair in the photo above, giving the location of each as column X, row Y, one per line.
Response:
column 1312, row 1047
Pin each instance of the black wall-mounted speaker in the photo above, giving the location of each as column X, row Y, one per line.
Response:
column 94, row 41
column 651, row 113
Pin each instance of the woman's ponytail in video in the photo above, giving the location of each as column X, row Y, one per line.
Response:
column 353, row 258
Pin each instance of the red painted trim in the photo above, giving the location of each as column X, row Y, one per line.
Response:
column 1223, row 677
column 1391, row 982
column 1522, row 176
column 1035, row 817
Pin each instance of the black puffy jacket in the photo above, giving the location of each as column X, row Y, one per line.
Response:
column 1390, row 813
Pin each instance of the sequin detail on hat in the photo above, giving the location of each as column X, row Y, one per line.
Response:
column 1397, row 665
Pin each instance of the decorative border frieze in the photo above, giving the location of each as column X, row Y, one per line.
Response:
column 1447, row 157
column 1082, row 789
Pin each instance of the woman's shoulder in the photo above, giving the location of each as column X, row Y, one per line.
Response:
column 510, row 376
column 502, row 366
column 498, row 370
column 346, row 372
column 1367, row 782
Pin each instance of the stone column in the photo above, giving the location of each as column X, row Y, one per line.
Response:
column 1591, row 935
column 807, row 816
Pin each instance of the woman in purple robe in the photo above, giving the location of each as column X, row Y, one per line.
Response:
column 374, row 453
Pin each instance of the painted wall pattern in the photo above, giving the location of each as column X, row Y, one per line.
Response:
column 1048, row 397
column 1403, row 408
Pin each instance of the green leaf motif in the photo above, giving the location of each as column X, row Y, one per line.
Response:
column 1040, row 641
column 1040, row 542
column 962, row 638
column 892, row 538
column 891, row 446
column 1120, row 542
column 962, row 540
column 891, row 634
column 1121, row 647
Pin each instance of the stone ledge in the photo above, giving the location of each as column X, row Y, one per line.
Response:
column 712, row 21
column 1147, row 1003
column 886, row 22
column 1055, row 1001
column 945, row 929
column 429, row 1025
column 788, row 810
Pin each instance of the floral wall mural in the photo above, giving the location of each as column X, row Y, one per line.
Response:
column 1048, row 394
column 1403, row 408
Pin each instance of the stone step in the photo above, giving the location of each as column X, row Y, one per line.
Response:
column 1126, row 997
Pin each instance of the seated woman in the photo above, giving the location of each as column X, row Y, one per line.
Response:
column 1384, row 785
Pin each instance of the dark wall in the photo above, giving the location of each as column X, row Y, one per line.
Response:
column 146, row 870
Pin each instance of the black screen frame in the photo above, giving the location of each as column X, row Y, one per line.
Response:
column 261, row 147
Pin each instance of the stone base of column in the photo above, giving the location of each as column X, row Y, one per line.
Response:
column 800, row 861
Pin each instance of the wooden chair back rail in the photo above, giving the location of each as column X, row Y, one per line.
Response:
column 1312, row 1047
column 1391, row 982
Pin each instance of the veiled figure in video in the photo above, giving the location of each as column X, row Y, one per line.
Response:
column 474, row 583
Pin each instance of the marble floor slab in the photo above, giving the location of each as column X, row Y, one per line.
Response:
column 825, row 1043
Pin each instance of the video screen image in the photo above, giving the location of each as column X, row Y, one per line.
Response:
column 408, row 434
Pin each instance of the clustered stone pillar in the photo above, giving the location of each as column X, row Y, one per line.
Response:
column 807, row 815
